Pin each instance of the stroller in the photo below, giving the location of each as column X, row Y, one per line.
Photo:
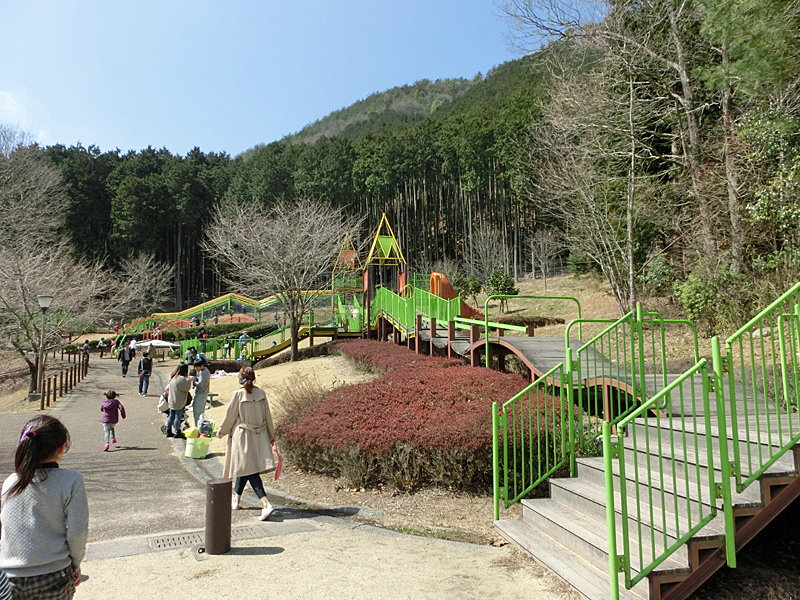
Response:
column 163, row 407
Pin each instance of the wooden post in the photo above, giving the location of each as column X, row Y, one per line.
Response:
column 48, row 391
column 451, row 336
column 501, row 358
column 36, row 373
column 417, row 338
column 61, row 385
column 474, row 336
column 531, row 329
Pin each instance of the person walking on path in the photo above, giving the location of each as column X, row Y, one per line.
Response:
column 190, row 355
column 144, row 369
column 101, row 346
column 45, row 516
column 243, row 339
column 125, row 356
column 178, row 394
column 111, row 409
column 85, row 351
column 248, row 423
column 202, row 381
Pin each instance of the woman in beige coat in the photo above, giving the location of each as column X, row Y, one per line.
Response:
column 248, row 423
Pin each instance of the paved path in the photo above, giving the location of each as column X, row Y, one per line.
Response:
column 145, row 490
column 141, row 486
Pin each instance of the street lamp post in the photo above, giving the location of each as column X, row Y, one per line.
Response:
column 44, row 303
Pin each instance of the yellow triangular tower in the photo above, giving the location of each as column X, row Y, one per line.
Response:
column 385, row 250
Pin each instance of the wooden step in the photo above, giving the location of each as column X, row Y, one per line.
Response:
column 569, row 566
column 584, row 535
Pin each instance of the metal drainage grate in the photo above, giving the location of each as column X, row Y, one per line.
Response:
column 188, row 540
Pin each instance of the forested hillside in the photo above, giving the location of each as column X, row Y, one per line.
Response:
column 659, row 145
column 383, row 111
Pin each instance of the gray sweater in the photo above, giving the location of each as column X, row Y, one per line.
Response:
column 46, row 526
column 202, row 382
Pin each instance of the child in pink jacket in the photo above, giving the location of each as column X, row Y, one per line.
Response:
column 111, row 409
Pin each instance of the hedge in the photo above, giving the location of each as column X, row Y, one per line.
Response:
column 426, row 422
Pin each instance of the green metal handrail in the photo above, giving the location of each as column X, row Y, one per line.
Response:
column 766, row 400
column 663, row 523
column 534, row 424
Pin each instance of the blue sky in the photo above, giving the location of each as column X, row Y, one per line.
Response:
column 223, row 76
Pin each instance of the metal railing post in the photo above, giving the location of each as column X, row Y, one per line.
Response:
column 724, row 460
column 611, row 527
column 570, row 413
column 496, row 461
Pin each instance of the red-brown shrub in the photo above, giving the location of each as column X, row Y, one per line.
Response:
column 386, row 357
column 427, row 421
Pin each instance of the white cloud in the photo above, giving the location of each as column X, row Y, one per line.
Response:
column 14, row 113
column 11, row 111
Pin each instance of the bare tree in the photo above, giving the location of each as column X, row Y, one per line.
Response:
column 84, row 294
column 487, row 252
column 652, row 37
column 148, row 284
column 36, row 258
column 546, row 245
column 582, row 168
column 33, row 204
column 13, row 138
column 288, row 250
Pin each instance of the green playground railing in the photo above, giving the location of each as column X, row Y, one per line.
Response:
column 534, row 446
column 612, row 373
column 403, row 311
column 760, row 366
column 649, row 523
column 670, row 463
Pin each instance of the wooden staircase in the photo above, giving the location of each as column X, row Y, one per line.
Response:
column 567, row 531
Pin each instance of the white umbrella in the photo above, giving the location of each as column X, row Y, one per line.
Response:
column 157, row 344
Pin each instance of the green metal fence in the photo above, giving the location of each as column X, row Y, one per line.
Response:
column 670, row 462
column 403, row 311
column 611, row 374
column 761, row 358
column 535, row 444
column 657, row 499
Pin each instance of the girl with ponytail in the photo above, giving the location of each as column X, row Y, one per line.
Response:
column 44, row 515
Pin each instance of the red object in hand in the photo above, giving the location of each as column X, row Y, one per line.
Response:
column 279, row 466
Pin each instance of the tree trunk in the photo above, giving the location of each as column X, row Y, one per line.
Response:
column 631, row 190
column 178, row 287
column 731, row 177
column 692, row 150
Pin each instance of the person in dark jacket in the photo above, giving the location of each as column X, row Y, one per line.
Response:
column 111, row 409
column 125, row 356
column 144, row 369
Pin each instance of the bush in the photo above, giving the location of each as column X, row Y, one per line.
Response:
column 716, row 299
column 380, row 357
column 501, row 283
column 425, row 422
column 526, row 320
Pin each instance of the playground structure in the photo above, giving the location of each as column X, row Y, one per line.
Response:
column 656, row 479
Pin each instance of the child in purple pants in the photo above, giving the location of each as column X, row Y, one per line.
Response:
column 111, row 409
